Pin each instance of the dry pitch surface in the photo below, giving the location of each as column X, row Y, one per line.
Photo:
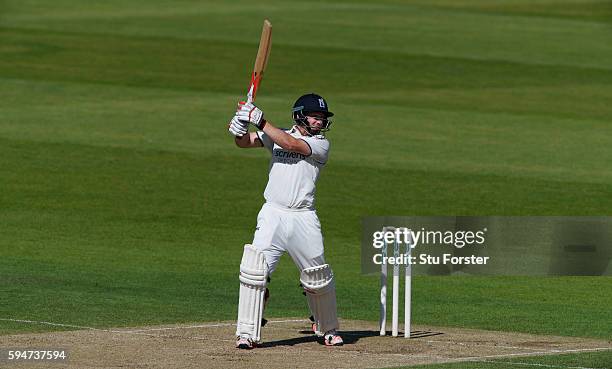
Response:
column 288, row 343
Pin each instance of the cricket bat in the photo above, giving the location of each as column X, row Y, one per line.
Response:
column 265, row 43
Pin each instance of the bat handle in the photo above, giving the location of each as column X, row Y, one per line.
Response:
column 250, row 94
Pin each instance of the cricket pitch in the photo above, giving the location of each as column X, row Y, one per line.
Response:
column 288, row 343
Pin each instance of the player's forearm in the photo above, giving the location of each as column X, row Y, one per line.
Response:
column 280, row 137
column 247, row 141
column 242, row 141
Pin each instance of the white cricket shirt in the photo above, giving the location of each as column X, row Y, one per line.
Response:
column 292, row 177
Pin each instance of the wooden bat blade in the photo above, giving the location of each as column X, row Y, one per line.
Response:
column 265, row 44
column 263, row 53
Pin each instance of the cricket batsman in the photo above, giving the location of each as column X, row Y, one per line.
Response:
column 287, row 221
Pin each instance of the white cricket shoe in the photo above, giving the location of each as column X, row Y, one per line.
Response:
column 333, row 339
column 245, row 343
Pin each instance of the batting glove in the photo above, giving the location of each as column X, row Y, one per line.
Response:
column 238, row 128
column 250, row 113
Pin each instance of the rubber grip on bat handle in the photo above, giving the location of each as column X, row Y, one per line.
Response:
column 253, row 87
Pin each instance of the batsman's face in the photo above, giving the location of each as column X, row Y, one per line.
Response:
column 315, row 119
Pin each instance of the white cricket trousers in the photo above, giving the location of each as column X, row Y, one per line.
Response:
column 298, row 232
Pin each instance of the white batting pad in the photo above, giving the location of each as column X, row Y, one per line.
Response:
column 320, row 290
column 253, row 281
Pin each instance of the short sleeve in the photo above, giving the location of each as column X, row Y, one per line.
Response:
column 319, row 148
column 265, row 140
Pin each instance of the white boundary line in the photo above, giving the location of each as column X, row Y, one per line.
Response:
column 483, row 358
column 533, row 364
column 143, row 331
column 548, row 352
column 212, row 325
column 111, row 330
column 48, row 323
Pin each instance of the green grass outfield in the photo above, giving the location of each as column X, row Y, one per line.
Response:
column 575, row 361
column 123, row 200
